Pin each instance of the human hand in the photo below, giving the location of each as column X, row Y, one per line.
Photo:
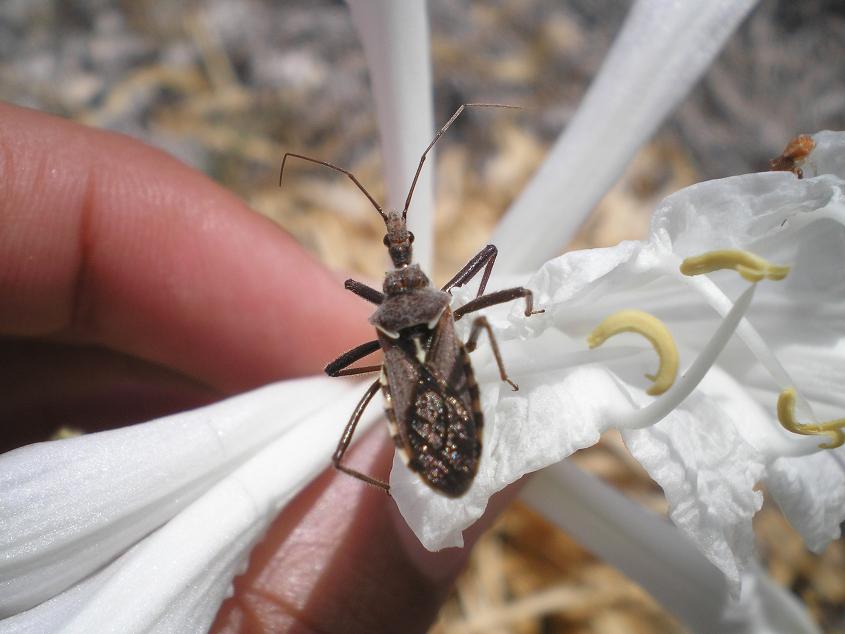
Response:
column 133, row 287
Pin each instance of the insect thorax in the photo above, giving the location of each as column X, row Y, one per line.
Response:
column 409, row 301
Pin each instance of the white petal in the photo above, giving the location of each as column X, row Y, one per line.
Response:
column 185, row 568
column 764, row 213
column 660, row 558
column 580, row 288
column 395, row 38
column 708, row 473
column 810, row 491
column 662, row 50
column 633, row 539
column 818, row 369
column 818, row 366
column 70, row 506
column 576, row 273
column 828, row 157
column 790, row 221
column 766, row 607
column 552, row 415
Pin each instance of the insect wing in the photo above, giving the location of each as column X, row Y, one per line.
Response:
column 443, row 436
column 432, row 405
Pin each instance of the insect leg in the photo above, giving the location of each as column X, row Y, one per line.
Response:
column 336, row 367
column 483, row 259
column 499, row 297
column 362, row 290
column 346, row 438
column 472, row 341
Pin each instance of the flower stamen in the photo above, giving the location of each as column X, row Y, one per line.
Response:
column 751, row 267
column 652, row 329
column 661, row 407
column 786, row 416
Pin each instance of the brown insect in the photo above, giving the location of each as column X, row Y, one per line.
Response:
column 430, row 394
column 796, row 151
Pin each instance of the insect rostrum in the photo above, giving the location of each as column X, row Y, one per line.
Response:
column 430, row 394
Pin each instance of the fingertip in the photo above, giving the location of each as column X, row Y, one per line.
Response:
column 112, row 242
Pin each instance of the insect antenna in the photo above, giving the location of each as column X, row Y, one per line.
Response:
column 339, row 169
column 437, row 136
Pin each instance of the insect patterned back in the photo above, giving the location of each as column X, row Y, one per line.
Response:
column 432, row 406
column 444, row 436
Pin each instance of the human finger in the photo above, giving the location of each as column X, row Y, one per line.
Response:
column 107, row 241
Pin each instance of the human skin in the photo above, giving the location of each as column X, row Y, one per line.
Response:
column 132, row 286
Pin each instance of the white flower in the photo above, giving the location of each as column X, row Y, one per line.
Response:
column 167, row 510
column 710, row 452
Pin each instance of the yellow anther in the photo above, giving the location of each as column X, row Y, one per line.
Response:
column 786, row 416
column 752, row 267
column 652, row 329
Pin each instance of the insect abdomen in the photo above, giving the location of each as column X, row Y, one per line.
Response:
column 439, row 437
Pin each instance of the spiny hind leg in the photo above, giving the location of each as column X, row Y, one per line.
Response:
column 346, row 438
column 477, row 325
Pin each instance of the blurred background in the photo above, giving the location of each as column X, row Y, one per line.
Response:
column 229, row 86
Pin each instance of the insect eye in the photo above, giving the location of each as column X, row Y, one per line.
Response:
column 410, row 237
column 386, row 241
